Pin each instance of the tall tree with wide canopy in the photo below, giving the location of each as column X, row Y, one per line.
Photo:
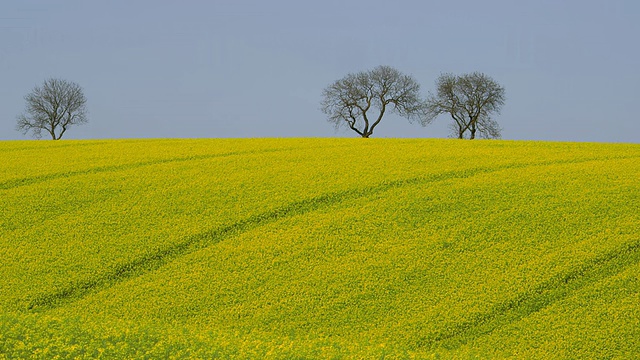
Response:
column 470, row 100
column 360, row 100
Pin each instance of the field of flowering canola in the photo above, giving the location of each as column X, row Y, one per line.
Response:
column 319, row 248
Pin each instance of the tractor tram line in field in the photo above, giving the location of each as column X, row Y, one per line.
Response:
column 319, row 248
column 145, row 264
column 556, row 289
column 26, row 181
column 7, row 185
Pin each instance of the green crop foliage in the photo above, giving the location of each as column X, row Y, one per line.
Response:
column 319, row 248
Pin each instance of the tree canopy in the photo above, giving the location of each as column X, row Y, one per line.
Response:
column 360, row 100
column 470, row 100
column 53, row 107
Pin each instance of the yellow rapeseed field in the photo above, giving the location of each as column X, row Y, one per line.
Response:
column 319, row 248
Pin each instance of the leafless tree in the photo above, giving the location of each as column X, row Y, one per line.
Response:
column 53, row 107
column 469, row 99
column 353, row 99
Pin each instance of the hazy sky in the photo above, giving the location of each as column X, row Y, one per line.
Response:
column 257, row 68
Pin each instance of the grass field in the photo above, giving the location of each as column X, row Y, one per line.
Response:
column 319, row 248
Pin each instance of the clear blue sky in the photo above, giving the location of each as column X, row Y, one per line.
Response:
column 257, row 68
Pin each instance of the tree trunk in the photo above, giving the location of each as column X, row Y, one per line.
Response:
column 473, row 128
column 473, row 120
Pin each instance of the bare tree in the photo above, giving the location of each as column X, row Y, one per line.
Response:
column 469, row 99
column 353, row 99
column 53, row 107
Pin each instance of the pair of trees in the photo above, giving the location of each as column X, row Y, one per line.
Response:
column 360, row 101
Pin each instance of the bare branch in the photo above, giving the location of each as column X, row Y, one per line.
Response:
column 53, row 107
column 470, row 99
column 384, row 89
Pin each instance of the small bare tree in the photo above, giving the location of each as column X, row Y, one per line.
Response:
column 351, row 100
column 53, row 107
column 469, row 99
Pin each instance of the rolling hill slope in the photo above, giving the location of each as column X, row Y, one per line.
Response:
column 319, row 248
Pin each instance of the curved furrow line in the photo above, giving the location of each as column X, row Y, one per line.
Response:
column 156, row 260
column 68, row 143
column 14, row 183
column 555, row 289
column 11, row 184
column 53, row 146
